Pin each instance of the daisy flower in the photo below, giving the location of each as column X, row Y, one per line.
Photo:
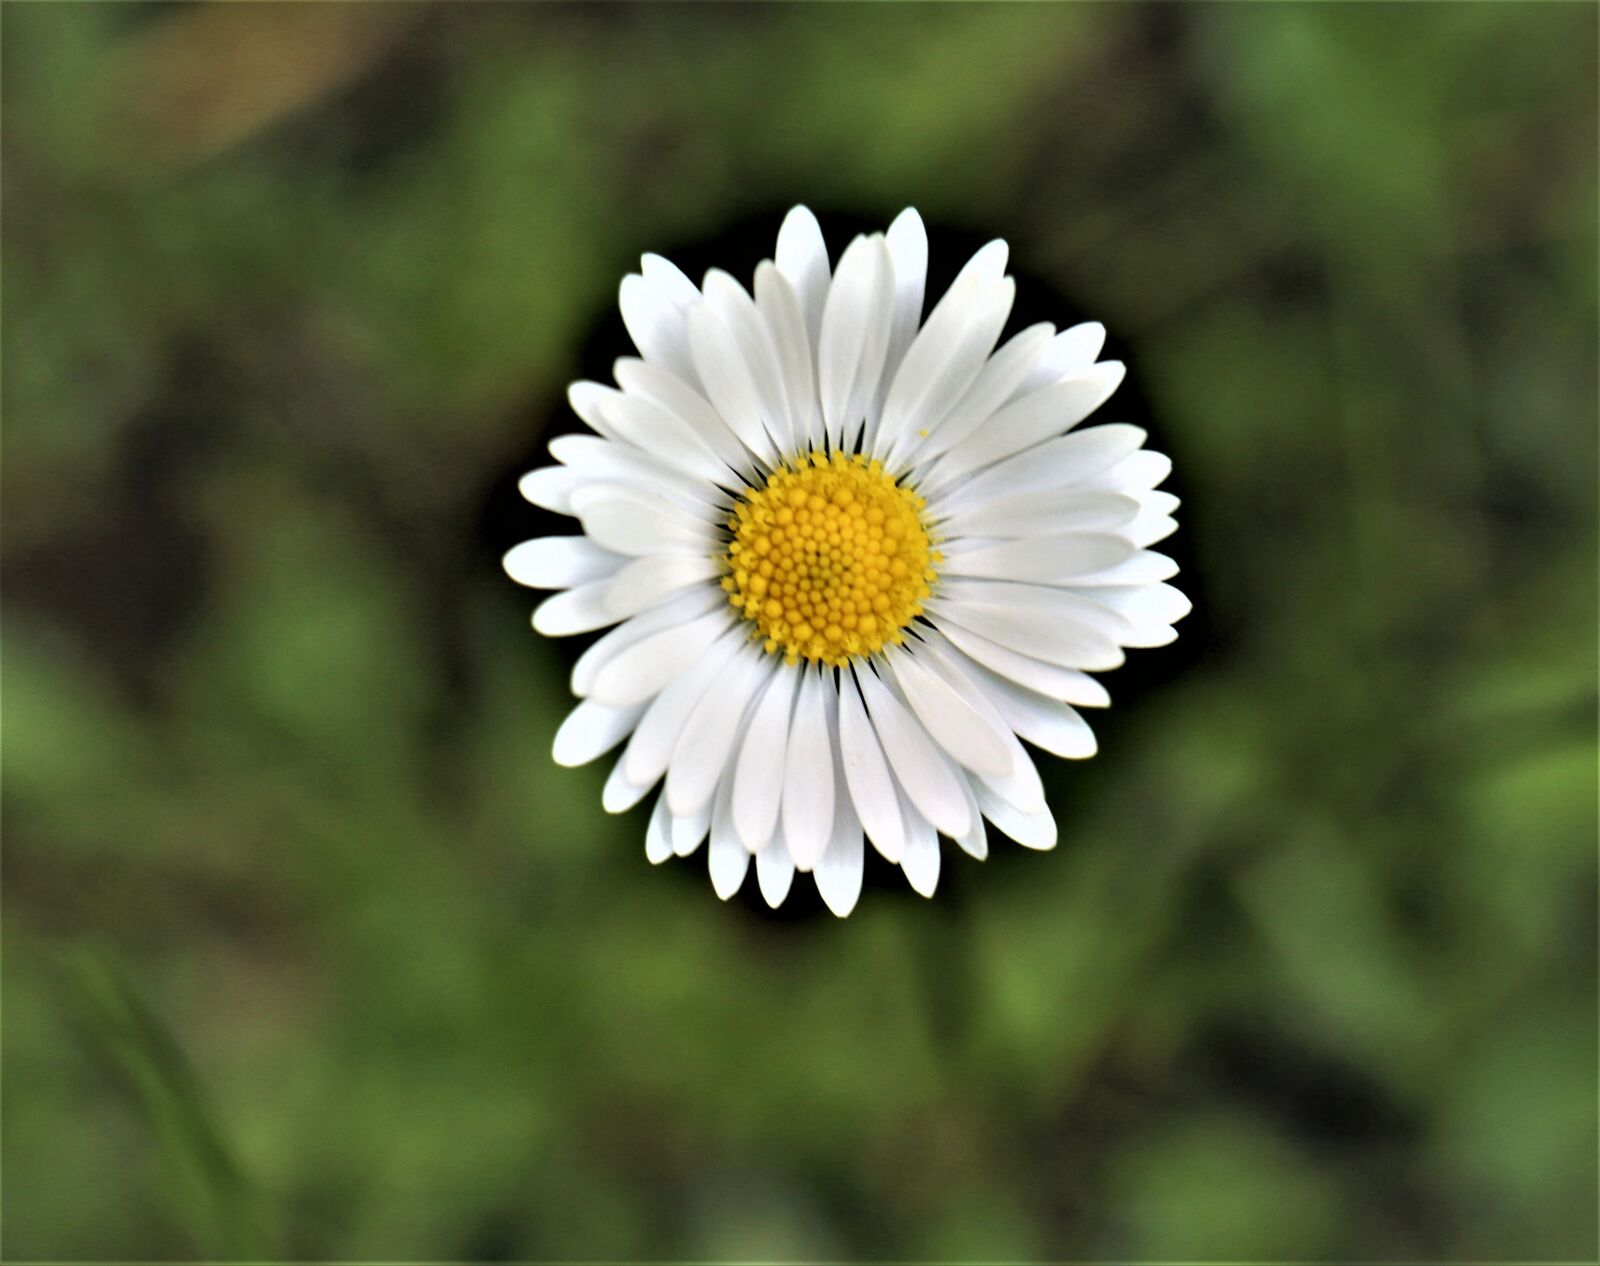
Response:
column 854, row 559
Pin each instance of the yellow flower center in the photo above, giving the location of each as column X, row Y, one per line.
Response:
column 829, row 559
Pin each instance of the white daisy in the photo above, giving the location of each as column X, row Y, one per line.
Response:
column 851, row 560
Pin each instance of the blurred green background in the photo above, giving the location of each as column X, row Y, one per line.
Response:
column 309, row 949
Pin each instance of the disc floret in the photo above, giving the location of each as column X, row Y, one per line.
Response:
column 829, row 558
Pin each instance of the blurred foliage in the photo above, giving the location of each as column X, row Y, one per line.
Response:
column 311, row 951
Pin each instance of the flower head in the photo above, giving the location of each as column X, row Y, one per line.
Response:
column 853, row 559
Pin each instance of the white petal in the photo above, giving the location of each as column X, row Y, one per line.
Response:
column 651, row 382
column 618, row 462
column 1038, row 560
column 653, row 310
column 728, row 861
column 1070, row 352
column 854, row 336
column 775, row 873
column 1046, row 679
column 621, row 793
column 975, row 843
column 587, row 400
column 556, row 562
column 921, row 860
column 1032, row 419
column 728, row 384
column 664, row 435
column 689, row 831
column 551, row 488
column 1069, row 460
column 1146, row 567
column 1043, row 512
column 709, row 735
column 728, row 865
column 808, row 788
column 649, row 751
column 838, row 871
column 1031, row 830
column 643, row 582
column 930, row 781
column 658, row 835
column 632, row 521
column 1148, row 529
column 1019, row 782
column 1060, row 604
column 1154, row 520
column 686, row 606
column 1154, row 502
column 780, row 308
column 966, row 735
column 845, row 835
column 1144, row 604
column 945, row 358
column 1036, row 633
column 1149, row 611
column 744, row 321
column 593, row 729
column 985, row 670
column 668, row 280
column 1151, row 635
column 988, row 263
column 995, row 384
column 869, row 373
column 866, row 774
column 580, row 610
column 1081, row 690
column 641, row 670
column 758, row 773
column 802, row 257
column 1046, row 723
column 907, row 241
column 1135, row 472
